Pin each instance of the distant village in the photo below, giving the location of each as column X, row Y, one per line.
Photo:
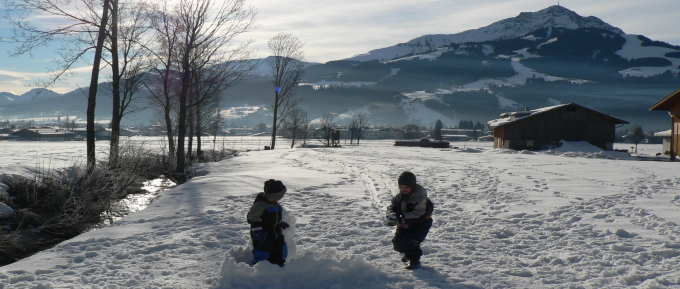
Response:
column 529, row 129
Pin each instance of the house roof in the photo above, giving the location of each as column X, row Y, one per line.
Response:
column 667, row 102
column 512, row 117
column 665, row 133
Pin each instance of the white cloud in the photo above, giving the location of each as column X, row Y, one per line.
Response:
column 334, row 29
column 20, row 82
column 339, row 29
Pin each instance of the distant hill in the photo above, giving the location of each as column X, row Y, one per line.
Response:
column 536, row 59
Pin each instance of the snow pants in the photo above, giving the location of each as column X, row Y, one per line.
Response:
column 407, row 241
column 269, row 246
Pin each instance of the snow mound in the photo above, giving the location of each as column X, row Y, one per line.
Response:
column 311, row 269
column 587, row 150
column 289, row 234
column 5, row 211
column 4, row 195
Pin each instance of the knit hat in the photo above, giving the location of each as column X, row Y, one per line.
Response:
column 274, row 190
column 408, row 179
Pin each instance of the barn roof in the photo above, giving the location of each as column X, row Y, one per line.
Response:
column 665, row 133
column 667, row 102
column 512, row 117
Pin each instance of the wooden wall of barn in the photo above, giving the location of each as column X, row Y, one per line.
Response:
column 569, row 123
column 676, row 138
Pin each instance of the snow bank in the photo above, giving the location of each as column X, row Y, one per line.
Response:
column 4, row 195
column 587, row 150
column 311, row 269
column 5, row 211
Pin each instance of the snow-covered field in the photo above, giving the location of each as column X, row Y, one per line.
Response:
column 502, row 220
column 16, row 156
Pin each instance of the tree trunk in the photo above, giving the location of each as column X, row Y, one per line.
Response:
column 94, row 82
column 115, row 114
column 169, row 133
column 276, row 111
column 199, row 132
column 182, row 120
column 292, row 144
column 190, row 123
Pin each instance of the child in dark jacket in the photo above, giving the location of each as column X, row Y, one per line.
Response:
column 411, row 211
column 266, row 225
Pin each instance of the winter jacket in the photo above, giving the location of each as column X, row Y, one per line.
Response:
column 265, row 214
column 412, row 208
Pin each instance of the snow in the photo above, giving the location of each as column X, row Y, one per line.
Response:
column 321, row 269
column 488, row 49
column 417, row 112
column 5, row 211
column 330, row 83
column 515, row 116
column 647, row 71
column 586, row 150
column 431, row 56
column 241, row 111
column 665, row 133
column 506, row 103
column 530, row 37
column 551, row 40
column 633, row 49
column 502, row 220
column 523, row 74
column 511, row 28
column 525, row 54
column 421, row 96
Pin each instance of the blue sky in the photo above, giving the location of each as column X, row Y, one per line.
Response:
column 333, row 29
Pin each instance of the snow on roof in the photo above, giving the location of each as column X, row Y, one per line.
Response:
column 510, row 117
column 665, row 133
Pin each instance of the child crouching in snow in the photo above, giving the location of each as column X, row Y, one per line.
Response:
column 266, row 224
column 411, row 211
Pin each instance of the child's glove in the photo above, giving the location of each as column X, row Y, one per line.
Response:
column 391, row 219
column 284, row 225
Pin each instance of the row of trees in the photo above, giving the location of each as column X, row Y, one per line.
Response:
column 185, row 53
column 297, row 126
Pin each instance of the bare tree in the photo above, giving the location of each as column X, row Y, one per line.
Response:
column 207, row 28
column 94, row 84
column 287, row 69
column 357, row 125
column 82, row 20
column 327, row 127
column 166, row 35
column 296, row 123
column 210, row 83
column 128, row 63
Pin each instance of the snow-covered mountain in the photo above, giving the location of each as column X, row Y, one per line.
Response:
column 536, row 59
column 262, row 67
column 523, row 24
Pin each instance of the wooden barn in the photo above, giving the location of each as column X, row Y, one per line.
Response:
column 671, row 104
column 546, row 127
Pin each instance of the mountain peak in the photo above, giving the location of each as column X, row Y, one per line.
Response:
column 557, row 9
column 526, row 22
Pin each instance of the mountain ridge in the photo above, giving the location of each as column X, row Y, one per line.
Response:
column 555, row 56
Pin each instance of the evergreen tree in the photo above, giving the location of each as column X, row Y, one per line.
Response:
column 437, row 132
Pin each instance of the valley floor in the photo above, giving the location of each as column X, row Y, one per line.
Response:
column 502, row 220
